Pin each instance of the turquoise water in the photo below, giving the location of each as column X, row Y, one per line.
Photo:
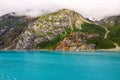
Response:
column 51, row 65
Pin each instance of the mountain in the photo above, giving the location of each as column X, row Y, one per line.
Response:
column 49, row 30
column 112, row 23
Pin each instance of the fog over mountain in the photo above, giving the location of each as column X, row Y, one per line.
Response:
column 88, row 8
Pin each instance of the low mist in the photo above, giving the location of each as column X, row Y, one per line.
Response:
column 87, row 8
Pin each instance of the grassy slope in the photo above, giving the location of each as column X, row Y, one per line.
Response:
column 114, row 34
column 113, row 24
column 101, row 42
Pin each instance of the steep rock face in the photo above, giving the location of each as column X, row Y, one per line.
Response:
column 77, row 42
column 11, row 27
column 48, row 27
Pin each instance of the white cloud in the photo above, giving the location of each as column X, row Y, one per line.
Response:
column 88, row 8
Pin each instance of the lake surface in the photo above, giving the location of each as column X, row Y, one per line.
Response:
column 53, row 65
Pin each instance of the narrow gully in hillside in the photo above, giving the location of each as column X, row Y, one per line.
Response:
column 107, row 31
column 106, row 35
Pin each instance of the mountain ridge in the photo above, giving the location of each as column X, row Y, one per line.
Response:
column 46, row 31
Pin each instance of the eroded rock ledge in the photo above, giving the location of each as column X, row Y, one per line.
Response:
column 77, row 42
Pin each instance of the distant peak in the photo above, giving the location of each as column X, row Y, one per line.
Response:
column 67, row 11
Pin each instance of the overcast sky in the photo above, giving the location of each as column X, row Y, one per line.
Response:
column 87, row 8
